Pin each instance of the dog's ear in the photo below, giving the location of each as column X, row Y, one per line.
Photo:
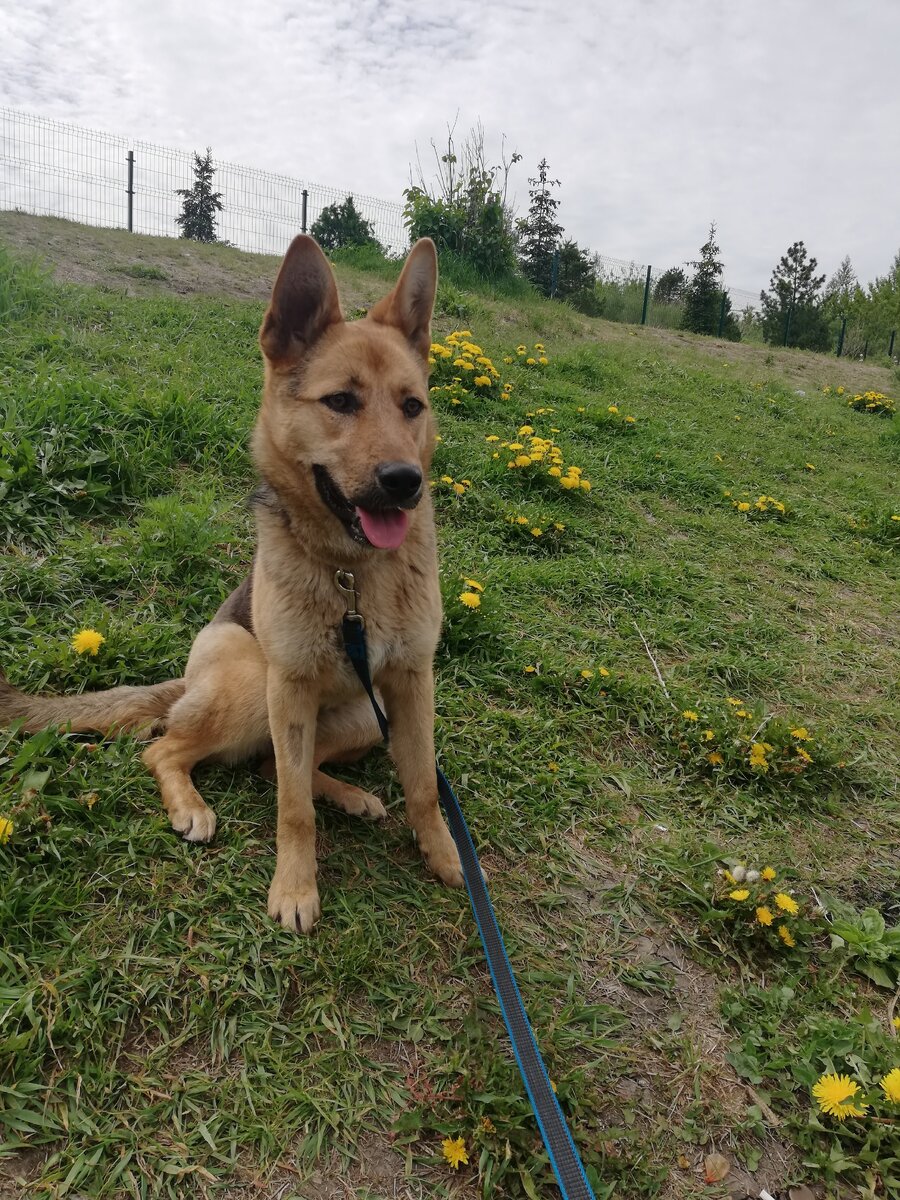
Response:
column 409, row 306
column 304, row 302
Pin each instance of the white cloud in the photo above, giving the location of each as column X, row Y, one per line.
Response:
column 777, row 120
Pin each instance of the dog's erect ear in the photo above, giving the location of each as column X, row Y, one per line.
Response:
column 408, row 307
column 304, row 302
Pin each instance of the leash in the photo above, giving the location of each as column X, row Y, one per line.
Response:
column 564, row 1157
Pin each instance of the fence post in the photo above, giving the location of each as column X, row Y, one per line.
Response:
column 130, row 191
column 304, row 195
column 554, row 274
column 840, row 345
column 891, row 346
column 865, row 349
column 646, row 297
column 722, row 313
column 787, row 324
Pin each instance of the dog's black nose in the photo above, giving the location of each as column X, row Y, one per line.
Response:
column 399, row 480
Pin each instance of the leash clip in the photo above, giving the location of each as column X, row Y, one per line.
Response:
column 345, row 582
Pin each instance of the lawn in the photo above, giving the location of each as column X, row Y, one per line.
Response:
column 659, row 685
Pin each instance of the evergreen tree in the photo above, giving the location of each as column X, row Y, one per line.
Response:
column 539, row 232
column 340, row 225
column 792, row 313
column 576, row 271
column 842, row 285
column 200, row 203
column 670, row 286
column 705, row 295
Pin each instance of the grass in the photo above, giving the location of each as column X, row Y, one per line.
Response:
column 160, row 1037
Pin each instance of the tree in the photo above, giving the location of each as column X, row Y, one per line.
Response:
column 670, row 287
column 576, row 273
column 704, row 295
column 792, row 313
column 200, row 203
column 464, row 207
column 339, row 225
column 539, row 232
column 842, row 285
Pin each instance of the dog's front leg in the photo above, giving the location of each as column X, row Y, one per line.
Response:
column 293, row 712
column 409, row 697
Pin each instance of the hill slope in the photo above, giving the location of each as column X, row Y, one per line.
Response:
column 658, row 684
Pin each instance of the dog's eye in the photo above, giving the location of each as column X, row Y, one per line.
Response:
column 341, row 402
column 412, row 407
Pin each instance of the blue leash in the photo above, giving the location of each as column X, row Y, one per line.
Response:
column 564, row 1157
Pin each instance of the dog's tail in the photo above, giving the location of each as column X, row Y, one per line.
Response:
column 121, row 709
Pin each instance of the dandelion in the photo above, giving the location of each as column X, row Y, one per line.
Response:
column 587, row 673
column 526, row 430
column 536, row 531
column 87, row 641
column 768, row 873
column 470, row 599
column 690, row 715
column 459, row 489
column 543, row 360
column 785, row 934
column 890, row 1085
column 614, row 409
column 801, row 734
column 569, row 482
column 738, row 894
column 7, row 829
column 741, row 712
column 521, row 520
column 529, row 670
column 523, row 460
column 743, row 506
column 521, row 349
column 474, row 584
column 552, row 766
column 758, row 756
column 532, row 362
column 507, row 358
column 787, row 903
column 715, row 758
column 455, row 1152
column 487, row 1125
column 629, row 420
column 840, row 391
column 446, row 479
column 603, row 671
column 832, row 1092
column 809, row 466
column 734, row 702
column 801, row 753
column 764, row 915
column 895, row 1021
column 708, row 735
column 482, row 381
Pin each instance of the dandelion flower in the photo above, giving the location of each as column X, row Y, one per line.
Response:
column 487, row 1125
column 470, row 599
column 529, row 670
column 531, row 362
column 890, row 1084
column 7, row 828
column 715, row 758
column 543, row 360
column 895, row 1021
column 587, row 673
column 459, row 489
column 474, row 584
column 555, row 472
column 785, row 934
column 809, row 466
column 629, row 420
column 690, row 715
column 832, row 1092
column 536, row 531
column 455, row 1152
column 801, row 734
column 801, row 753
column 569, row 482
column 584, row 484
column 738, row 894
column 521, row 520
column 603, row 671
column 787, row 903
column 523, row 460
column 492, row 437
column 768, row 873
column 764, row 915
column 87, row 641
column 613, row 408
column 743, row 506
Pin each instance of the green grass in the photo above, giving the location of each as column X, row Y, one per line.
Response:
column 160, row 1037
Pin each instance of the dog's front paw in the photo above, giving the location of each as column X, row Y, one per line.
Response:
column 440, row 853
column 195, row 822
column 296, row 908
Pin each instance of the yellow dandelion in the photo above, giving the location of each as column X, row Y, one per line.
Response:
column 584, row 484
column 455, row 1152
column 708, row 735
column 87, row 641
column 474, row 585
column 587, row 673
column 603, row 671
column 743, row 506
column 809, row 466
column 470, row 599
column 569, row 482
column 531, row 362
column 801, row 753
column 7, row 829
column 543, row 360
column 785, row 934
column 738, row 894
column 832, row 1093
column 613, row 408
column 523, row 460
column 768, row 873
column 629, row 420
column 890, row 1085
column 487, row 1125
column 526, row 430
column 787, row 903
column 459, row 489
column 715, row 758
column 558, row 525
column 529, row 670
column 482, row 381
column 521, row 520
column 764, row 915
column 555, row 472
column 536, row 531
column 801, row 734
column 690, row 715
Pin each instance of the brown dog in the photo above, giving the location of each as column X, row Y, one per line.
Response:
column 343, row 444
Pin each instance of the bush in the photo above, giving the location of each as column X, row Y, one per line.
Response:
column 340, row 225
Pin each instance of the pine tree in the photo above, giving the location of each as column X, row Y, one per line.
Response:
column 576, row 271
column 704, row 295
column 670, row 286
column 340, row 225
column 792, row 313
column 539, row 232
column 842, row 284
column 200, row 203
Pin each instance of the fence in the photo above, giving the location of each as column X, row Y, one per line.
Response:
column 55, row 169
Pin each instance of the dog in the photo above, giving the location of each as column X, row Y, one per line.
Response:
column 343, row 445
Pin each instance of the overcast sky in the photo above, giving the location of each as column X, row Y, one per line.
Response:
column 778, row 119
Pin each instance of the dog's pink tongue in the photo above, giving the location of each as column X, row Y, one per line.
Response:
column 386, row 530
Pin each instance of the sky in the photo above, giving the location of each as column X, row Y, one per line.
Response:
column 777, row 119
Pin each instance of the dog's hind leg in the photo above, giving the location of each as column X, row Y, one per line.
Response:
column 344, row 734
column 222, row 715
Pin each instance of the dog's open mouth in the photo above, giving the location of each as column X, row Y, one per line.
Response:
column 371, row 523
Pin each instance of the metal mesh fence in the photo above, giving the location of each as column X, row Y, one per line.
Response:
column 52, row 168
